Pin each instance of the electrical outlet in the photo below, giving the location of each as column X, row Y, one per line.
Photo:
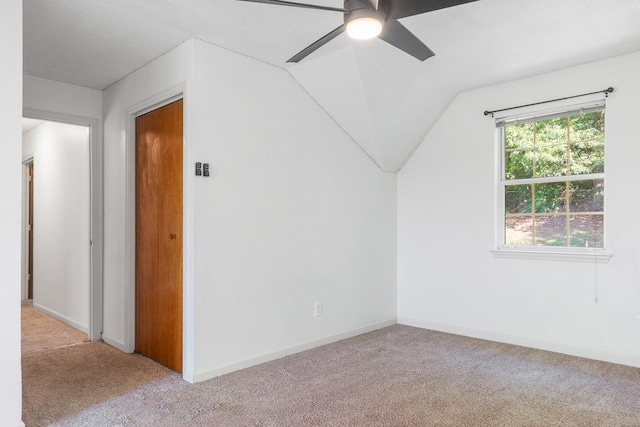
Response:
column 317, row 309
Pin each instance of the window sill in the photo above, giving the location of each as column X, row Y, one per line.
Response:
column 550, row 255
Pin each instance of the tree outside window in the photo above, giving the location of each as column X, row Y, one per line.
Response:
column 553, row 181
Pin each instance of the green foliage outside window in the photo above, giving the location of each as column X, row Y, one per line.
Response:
column 568, row 211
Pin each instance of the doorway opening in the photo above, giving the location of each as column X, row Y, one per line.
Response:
column 57, row 220
column 28, row 274
column 62, row 219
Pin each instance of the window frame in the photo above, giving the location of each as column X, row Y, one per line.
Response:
column 562, row 253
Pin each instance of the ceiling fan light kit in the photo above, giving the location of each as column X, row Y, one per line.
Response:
column 363, row 24
column 366, row 19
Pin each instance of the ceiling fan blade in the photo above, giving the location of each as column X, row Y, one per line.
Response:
column 317, row 44
column 397, row 9
column 293, row 4
column 399, row 36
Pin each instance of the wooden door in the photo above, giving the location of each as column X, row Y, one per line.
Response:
column 159, row 140
column 30, row 231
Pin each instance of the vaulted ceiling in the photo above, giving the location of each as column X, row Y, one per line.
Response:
column 384, row 99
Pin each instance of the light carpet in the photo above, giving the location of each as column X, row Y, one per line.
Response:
column 44, row 332
column 397, row 376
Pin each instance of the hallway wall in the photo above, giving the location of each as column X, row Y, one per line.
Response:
column 61, row 250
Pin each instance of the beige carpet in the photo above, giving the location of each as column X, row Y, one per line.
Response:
column 398, row 376
column 45, row 332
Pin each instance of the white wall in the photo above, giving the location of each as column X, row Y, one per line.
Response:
column 294, row 213
column 10, row 193
column 61, row 220
column 448, row 279
column 63, row 98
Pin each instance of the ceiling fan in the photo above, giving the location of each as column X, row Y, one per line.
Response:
column 365, row 19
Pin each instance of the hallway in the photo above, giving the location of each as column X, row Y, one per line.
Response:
column 63, row 373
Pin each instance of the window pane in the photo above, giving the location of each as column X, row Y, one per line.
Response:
column 551, row 197
column 518, row 231
column 587, row 231
column 588, row 126
column 552, row 131
column 518, row 164
column 587, row 157
column 586, row 196
column 517, row 199
column 562, row 213
column 518, row 136
column 551, row 231
column 551, row 160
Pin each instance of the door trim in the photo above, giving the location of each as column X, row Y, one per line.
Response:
column 27, row 159
column 160, row 100
column 96, row 220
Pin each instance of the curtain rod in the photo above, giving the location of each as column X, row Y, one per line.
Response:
column 605, row 91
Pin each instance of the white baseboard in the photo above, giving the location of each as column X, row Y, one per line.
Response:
column 114, row 343
column 62, row 318
column 206, row 375
column 621, row 359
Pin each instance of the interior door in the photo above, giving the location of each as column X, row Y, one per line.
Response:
column 159, row 148
column 30, row 173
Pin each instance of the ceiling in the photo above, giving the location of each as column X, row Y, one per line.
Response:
column 385, row 100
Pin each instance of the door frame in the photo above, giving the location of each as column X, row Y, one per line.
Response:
column 153, row 103
column 96, row 214
column 27, row 241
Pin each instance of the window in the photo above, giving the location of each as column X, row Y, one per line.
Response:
column 552, row 179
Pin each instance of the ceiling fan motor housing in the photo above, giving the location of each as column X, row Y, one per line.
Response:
column 362, row 20
column 363, row 13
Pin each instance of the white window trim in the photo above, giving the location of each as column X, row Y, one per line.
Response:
column 553, row 254
column 543, row 253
